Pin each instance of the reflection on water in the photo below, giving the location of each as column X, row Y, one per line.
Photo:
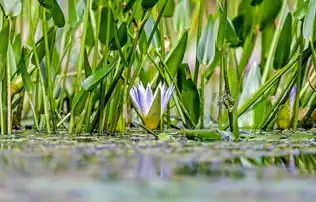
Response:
column 99, row 169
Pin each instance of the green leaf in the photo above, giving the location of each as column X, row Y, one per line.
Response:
column 11, row 7
column 46, row 3
column 268, row 11
column 87, row 67
column 4, row 42
column 148, row 4
column 176, row 55
column 72, row 14
column 122, row 37
column 309, row 21
column 189, row 94
column 206, row 46
column 11, row 60
column 251, row 84
column 95, row 78
column 181, row 20
column 90, row 34
column 27, row 83
column 105, row 22
column 168, row 12
column 301, row 9
column 283, row 49
column 79, row 102
column 57, row 14
column 41, row 45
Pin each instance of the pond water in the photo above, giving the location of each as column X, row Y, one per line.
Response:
column 74, row 169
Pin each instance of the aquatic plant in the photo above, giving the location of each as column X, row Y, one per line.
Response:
column 71, row 65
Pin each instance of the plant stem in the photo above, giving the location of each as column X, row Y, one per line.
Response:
column 81, row 59
column 37, row 62
column 197, row 64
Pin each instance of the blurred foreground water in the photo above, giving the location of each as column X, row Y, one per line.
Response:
column 79, row 169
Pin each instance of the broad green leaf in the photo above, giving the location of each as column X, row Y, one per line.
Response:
column 231, row 34
column 17, row 47
column 206, row 46
column 57, row 14
column 268, row 11
column 72, row 14
column 309, row 21
column 96, row 77
column 4, row 42
column 46, row 3
column 27, row 83
column 176, row 55
column 283, row 49
column 11, row 60
column 79, row 102
column 148, row 4
column 153, row 117
column 122, row 37
column 11, row 7
column 251, row 84
column 105, row 22
column 189, row 94
column 181, row 20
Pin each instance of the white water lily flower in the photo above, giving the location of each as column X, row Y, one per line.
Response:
column 149, row 106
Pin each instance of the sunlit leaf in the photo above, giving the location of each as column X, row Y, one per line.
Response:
column 251, row 84
column 96, row 77
column 72, row 14
column 309, row 21
column 206, row 46
column 176, row 55
column 11, row 59
column 181, row 19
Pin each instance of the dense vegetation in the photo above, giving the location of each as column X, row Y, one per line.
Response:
column 72, row 65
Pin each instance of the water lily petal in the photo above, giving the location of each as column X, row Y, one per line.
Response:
column 135, row 97
column 149, row 99
column 166, row 98
column 143, row 99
